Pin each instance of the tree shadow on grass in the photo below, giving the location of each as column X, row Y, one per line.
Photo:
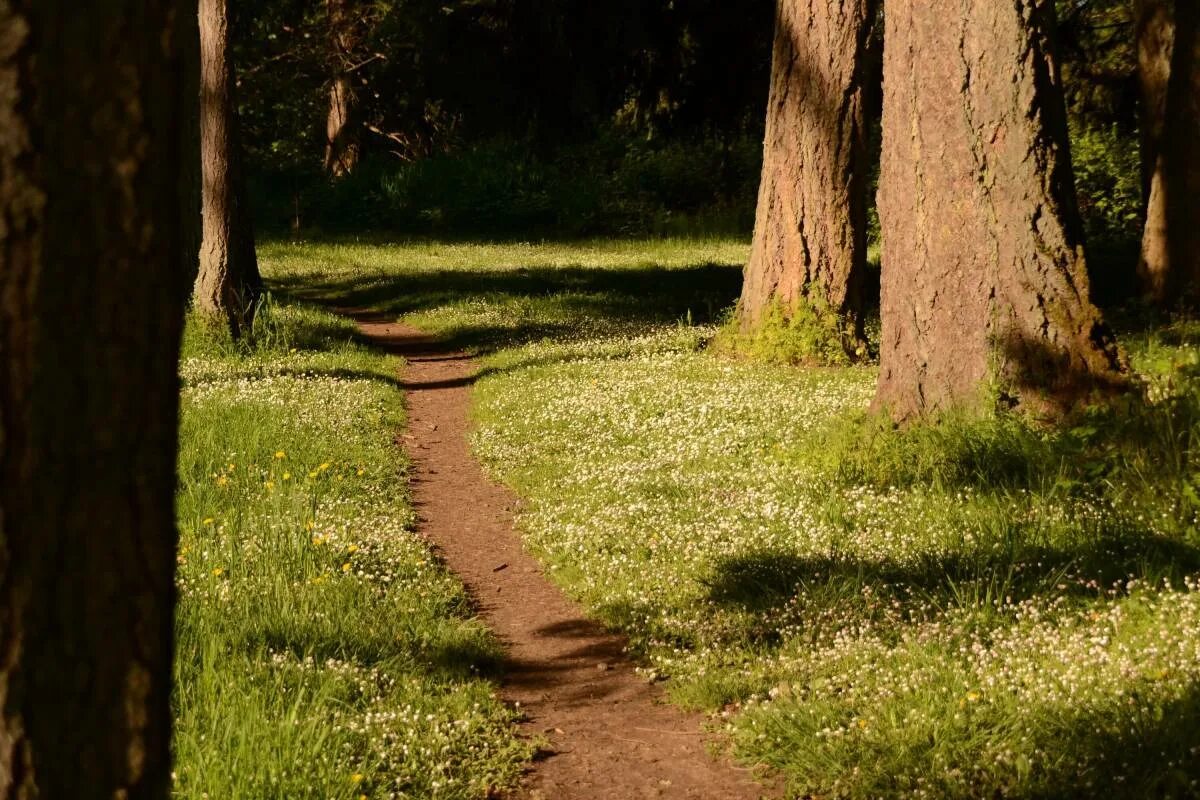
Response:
column 584, row 299
column 342, row 374
column 765, row 582
column 1157, row 754
column 447, row 654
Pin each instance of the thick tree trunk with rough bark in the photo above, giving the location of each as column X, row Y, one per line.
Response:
column 341, row 124
column 1169, row 70
column 229, row 284
column 985, row 295
column 91, row 305
column 810, row 227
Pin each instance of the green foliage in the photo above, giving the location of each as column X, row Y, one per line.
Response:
column 808, row 333
column 1097, row 51
column 322, row 652
column 615, row 185
column 1108, row 182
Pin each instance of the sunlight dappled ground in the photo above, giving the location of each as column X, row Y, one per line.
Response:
column 322, row 652
column 977, row 609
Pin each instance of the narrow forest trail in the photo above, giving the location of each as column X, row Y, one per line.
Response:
column 611, row 735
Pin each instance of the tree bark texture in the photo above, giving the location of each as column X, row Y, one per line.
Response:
column 811, row 222
column 1169, row 71
column 229, row 284
column 91, row 304
column 191, row 172
column 341, row 125
column 984, row 280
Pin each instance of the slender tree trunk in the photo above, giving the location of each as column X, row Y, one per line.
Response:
column 91, row 305
column 1169, row 71
column 228, row 285
column 1155, row 32
column 191, row 183
column 984, row 280
column 810, row 228
column 341, row 124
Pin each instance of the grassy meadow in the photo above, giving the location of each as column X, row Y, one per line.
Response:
column 322, row 651
column 976, row 609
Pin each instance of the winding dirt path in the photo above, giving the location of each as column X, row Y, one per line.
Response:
column 611, row 736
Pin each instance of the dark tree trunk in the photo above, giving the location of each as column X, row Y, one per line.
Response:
column 810, row 227
column 91, row 303
column 984, row 280
column 1169, row 72
column 228, row 285
column 341, row 125
column 1155, row 20
column 191, row 182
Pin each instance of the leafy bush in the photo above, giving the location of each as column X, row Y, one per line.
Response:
column 806, row 333
column 612, row 185
column 1108, row 182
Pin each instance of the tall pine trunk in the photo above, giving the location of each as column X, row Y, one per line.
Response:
column 92, row 290
column 810, row 227
column 229, row 284
column 1169, row 71
column 341, row 123
column 985, row 294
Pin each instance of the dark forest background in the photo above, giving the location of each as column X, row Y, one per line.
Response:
column 572, row 118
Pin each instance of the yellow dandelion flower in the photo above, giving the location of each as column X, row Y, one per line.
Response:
column 973, row 696
column 279, row 454
column 356, row 777
column 269, row 484
column 308, row 526
column 346, row 567
column 360, row 472
column 208, row 521
column 222, row 480
column 287, row 476
column 218, row 572
column 324, row 466
column 352, row 548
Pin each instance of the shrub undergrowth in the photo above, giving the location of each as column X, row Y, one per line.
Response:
column 804, row 333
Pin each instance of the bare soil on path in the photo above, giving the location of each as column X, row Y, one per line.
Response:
column 611, row 737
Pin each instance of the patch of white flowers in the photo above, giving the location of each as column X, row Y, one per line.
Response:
column 672, row 492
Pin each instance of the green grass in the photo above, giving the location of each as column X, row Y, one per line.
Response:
column 322, row 651
column 976, row 609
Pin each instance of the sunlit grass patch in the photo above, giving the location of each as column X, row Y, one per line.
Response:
column 322, row 652
column 980, row 609
column 799, row 568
